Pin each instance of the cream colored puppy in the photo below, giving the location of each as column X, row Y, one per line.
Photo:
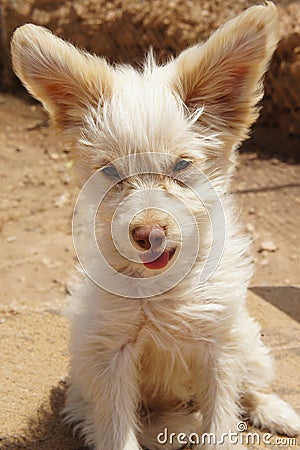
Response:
column 187, row 359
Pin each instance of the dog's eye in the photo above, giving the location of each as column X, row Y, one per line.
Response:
column 111, row 171
column 182, row 164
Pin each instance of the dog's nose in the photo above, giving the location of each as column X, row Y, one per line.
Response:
column 149, row 236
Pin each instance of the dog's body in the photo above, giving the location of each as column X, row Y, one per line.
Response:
column 189, row 359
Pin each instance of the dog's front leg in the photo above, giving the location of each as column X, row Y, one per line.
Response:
column 219, row 395
column 116, row 406
column 109, row 385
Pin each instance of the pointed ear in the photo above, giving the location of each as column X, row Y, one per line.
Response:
column 65, row 79
column 224, row 74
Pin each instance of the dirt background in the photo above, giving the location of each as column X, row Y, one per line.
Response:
column 38, row 191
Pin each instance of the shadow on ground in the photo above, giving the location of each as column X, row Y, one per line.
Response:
column 46, row 432
column 285, row 298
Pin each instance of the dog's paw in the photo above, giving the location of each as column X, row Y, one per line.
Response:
column 275, row 415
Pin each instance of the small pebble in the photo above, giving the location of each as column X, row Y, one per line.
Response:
column 250, row 227
column 264, row 262
column 62, row 200
column 275, row 161
column 47, row 262
column 69, row 164
column 267, row 246
column 22, row 279
column 11, row 238
column 66, row 179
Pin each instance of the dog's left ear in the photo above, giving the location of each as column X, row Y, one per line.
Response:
column 224, row 74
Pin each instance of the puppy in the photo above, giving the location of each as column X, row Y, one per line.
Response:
column 161, row 337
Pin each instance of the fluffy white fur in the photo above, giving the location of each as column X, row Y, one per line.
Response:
column 190, row 359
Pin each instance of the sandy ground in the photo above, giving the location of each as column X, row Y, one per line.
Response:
column 38, row 191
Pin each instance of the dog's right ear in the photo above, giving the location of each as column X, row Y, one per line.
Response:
column 66, row 80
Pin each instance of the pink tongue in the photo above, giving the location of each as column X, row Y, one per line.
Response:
column 158, row 263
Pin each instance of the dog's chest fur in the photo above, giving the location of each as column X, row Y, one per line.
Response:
column 166, row 376
column 168, row 364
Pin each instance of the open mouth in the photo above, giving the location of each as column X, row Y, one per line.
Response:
column 157, row 260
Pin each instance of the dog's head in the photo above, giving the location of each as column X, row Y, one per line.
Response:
column 152, row 133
